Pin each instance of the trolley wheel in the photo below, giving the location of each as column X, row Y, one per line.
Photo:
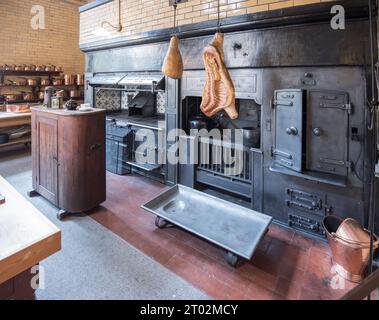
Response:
column 232, row 259
column 61, row 214
column 32, row 193
column 162, row 223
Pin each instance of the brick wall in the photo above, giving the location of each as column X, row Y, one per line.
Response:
column 145, row 15
column 58, row 44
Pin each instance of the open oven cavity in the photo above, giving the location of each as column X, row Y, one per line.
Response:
column 225, row 150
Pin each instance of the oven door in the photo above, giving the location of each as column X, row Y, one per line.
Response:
column 289, row 147
column 328, row 131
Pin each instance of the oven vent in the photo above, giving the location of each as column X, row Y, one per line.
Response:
column 144, row 82
column 106, row 79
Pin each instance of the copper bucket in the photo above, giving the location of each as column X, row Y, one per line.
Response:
column 350, row 256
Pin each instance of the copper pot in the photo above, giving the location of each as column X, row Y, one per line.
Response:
column 28, row 96
column 75, row 94
column 31, row 67
column 350, row 258
column 12, row 97
column 58, row 69
column 61, row 93
column 19, row 68
column 21, row 82
column 57, row 82
column 49, row 68
column 69, row 79
column 9, row 67
column 41, row 95
column 45, row 82
column 80, row 79
column 40, row 68
column 31, row 82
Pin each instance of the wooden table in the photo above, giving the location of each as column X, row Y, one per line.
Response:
column 26, row 238
column 10, row 119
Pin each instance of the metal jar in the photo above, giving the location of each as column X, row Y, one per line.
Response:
column 69, row 79
column 80, row 79
column 349, row 257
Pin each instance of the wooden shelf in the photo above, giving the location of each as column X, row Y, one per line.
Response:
column 24, row 101
column 40, row 100
column 30, row 73
column 21, row 140
column 37, row 86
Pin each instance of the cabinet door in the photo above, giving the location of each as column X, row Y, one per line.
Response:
column 327, row 136
column 289, row 117
column 45, row 154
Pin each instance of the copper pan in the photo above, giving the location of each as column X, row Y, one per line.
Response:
column 57, row 82
column 350, row 258
column 40, row 68
column 45, row 82
column 31, row 67
column 31, row 82
column 69, row 79
column 75, row 93
column 28, row 96
column 41, row 95
column 80, row 79
column 12, row 97
column 61, row 93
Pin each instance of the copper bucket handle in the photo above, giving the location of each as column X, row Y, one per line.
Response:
column 357, row 243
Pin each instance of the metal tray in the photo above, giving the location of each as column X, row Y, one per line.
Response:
column 232, row 227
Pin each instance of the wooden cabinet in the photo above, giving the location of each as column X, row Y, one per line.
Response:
column 68, row 152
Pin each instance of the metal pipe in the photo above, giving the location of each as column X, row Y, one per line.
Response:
column 374, row 106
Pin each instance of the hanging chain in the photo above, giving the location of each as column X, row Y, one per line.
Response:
column 218, row 17
column 175, row 7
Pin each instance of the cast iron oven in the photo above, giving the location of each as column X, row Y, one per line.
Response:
column 134, row 101
column 213, row 172
column 302, row 85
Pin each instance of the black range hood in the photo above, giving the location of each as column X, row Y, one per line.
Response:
column 131, row 81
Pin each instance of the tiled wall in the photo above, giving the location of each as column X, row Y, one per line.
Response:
column 145, row 15
column 116, row 100
column 58, row 44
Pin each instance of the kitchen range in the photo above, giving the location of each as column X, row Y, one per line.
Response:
column 298, row 166
column 190, row 149
column 133, row 101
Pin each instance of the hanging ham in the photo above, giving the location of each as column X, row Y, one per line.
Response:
column 173, row 63
column 219, row 92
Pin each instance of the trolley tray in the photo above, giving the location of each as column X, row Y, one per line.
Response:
column 232, row 227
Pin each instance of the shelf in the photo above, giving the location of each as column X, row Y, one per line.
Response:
column 30, row 73
column 24, row 101
column 21, row 140
column 41, row 86
column 40, row 100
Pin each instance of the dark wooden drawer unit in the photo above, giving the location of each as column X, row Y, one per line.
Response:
column 68, row 152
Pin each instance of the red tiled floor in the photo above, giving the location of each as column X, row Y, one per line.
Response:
column 285, row 266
